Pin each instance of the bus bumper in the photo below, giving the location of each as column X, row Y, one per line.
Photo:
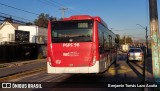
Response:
column 92, row 69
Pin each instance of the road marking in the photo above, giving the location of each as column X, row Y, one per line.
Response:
column 119, row 70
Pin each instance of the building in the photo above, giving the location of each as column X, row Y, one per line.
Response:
column 7, row 31
column 37, row 34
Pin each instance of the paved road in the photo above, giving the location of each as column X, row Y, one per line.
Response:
column 119, row 72
column 22, row 67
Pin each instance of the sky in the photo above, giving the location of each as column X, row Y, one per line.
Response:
column 120, row 15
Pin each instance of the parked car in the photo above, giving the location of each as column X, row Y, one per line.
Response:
column 135, row 54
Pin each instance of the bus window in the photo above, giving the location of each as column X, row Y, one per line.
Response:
column 101, row 42
column 110, row 41
column 77, row 31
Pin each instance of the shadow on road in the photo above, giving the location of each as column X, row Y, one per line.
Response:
column 99, row 82
column 137, row 63
column 96, row 82
column 140, row 75
column 149, row 65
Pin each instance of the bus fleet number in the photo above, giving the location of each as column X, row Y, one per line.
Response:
column 71, row 45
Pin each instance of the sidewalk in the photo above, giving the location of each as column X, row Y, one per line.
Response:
column 149, row 73
column 17, row 67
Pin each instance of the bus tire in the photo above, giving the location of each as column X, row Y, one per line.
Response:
column 109, row 61
column 102, row 72
column 115, row 60
column 127, row 61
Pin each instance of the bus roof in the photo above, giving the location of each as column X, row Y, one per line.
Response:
column 85, row 17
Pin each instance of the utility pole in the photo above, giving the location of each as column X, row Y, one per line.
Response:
column 155, row 40
column 146, row 38
column 125, row 38
column 63, row 11
column 146, row 42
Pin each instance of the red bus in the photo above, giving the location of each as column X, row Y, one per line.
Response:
column 80, row 44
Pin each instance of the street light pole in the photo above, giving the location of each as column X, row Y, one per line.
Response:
column 146, row 38
column 125, row 38
column 146, row 42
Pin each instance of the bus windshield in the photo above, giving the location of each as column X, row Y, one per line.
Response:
column 72, row 31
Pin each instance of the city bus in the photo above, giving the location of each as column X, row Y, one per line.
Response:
column 80, row 44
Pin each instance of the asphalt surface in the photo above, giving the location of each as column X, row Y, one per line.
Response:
column 17, row 67
column 119, row 72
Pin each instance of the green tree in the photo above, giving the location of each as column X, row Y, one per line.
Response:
column 128, row 40
column 118, row 36
column 53, row 18
column 29, row 23
column 9, row 19
column 43, row 19
column 61, row 19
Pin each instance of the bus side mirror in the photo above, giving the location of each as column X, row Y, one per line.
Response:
column 117, row 40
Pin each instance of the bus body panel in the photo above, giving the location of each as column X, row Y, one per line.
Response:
column 79, row 57
column 72, row 54
column 98, row 67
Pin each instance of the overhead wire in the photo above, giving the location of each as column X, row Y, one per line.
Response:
column 22, row 10
column 14, row 20
column 18, row 9
column 15, row 17
column 57, row 5
column 47, row 3
column 61, row 5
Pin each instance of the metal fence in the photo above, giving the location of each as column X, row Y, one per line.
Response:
column 19, row 52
